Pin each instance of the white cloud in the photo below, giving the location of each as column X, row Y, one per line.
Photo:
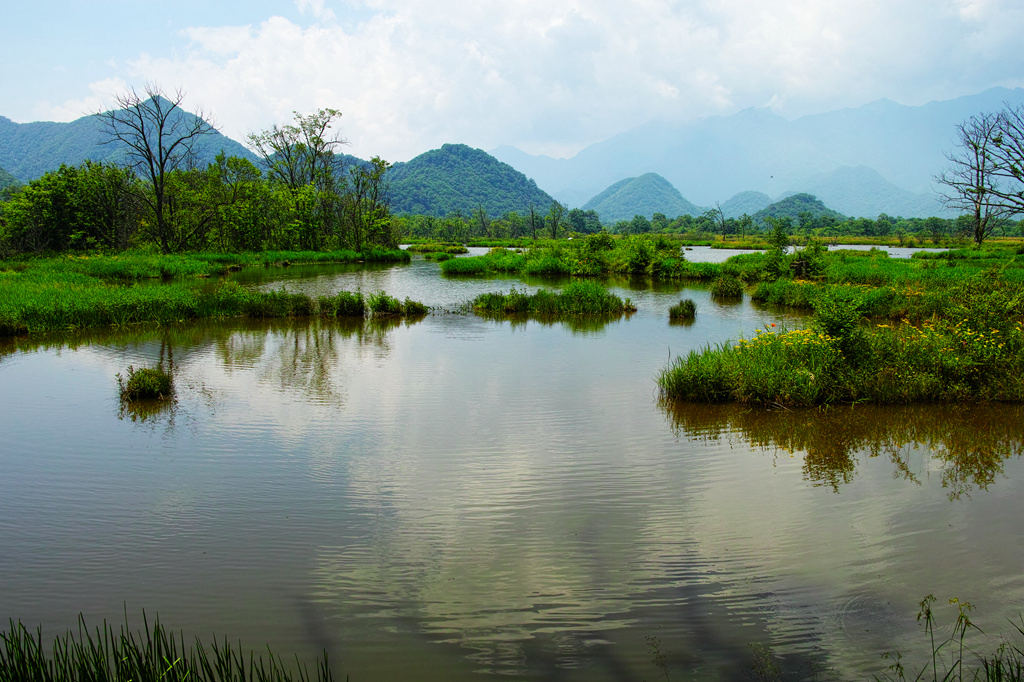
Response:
column 100, row 98
column 554, row 75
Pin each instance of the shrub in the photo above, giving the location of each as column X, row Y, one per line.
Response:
column 727, row 286
column 147, row 383
column 686, row 309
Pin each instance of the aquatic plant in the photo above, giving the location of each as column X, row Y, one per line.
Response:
column 145, row 383
column 686, row 309
column 380, row 303
column 727, row 287
column 152, row 653
column 580, row 297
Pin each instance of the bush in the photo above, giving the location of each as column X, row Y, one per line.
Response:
column 727, row 286
column 147, row 383
column 684, row 310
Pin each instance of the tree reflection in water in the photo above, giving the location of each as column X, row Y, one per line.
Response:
column 969, row 442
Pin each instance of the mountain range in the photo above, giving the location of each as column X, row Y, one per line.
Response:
column 878, row 158
column 864, row 161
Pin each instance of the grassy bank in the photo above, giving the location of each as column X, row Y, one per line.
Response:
column 67, row 293
column 974, row 351
column 151, row 653
column 592, row 256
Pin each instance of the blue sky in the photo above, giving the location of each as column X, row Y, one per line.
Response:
column 548, row 76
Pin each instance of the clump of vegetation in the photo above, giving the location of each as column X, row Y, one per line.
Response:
column 727, row 287
column 435, row 247
column 380, row 303
column 342, row 304
column 686, row 309
column 145, row 383
column 438, row 256
column 153, row 653
column 974, row 354
column 947, row 655
column 577, row 298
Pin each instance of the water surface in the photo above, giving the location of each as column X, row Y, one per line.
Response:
column 459, row 498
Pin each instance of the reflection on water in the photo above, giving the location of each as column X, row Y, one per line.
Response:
column 969, row 443
column 461, row 498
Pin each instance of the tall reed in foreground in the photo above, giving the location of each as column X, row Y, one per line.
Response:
column 152, row 653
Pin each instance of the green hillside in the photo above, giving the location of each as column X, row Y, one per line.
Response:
column 792, row 206
column 645, row 195
column 27, row 150
column 748, row 202
column 459, row 179
column 7, row 183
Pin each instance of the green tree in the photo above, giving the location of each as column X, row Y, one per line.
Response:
column 554, row 218
column 75, row 207
column 302, row 153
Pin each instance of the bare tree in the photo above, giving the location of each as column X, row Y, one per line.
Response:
column 159, row 138
column 971, row 184
column 1007, row 155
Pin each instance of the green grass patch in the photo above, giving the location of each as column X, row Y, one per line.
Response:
column 727, row 287
column 577, row 298
column 436, row 247
column 381, row 304
column 686, row 309
column 145, row 383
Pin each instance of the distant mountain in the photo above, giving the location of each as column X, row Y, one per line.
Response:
column 28, row 150
column 748, row 202
column 862, row 192
column 793, row 205
column 644, row 195
column 758, row 150
column 459, row 179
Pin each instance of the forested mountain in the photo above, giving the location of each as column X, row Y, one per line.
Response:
column 756, row 149
column 793, row 206
column 459, row 179
column 7, row 183
column 749, row 202
column 644, row 195
column 27, row 150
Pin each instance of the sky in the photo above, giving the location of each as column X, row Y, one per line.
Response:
column 546, row 76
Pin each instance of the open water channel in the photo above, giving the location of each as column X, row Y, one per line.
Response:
column 462, row 498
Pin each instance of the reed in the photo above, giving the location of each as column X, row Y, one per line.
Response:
column 151, row 653
column 579, row 297
column 686, row 309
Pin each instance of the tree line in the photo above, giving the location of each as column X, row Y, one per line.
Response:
column 303, row 197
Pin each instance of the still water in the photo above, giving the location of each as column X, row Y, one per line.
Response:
column 460, row 498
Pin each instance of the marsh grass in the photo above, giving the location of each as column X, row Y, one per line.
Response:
column 437, row 247
column 727, row 287
column 686, row 309
column 381, row 304
column 937, row 361
column 952, row 657
column 151, row 653
column 145, row 383
column 579, row 297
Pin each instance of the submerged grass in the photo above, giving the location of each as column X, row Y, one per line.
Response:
column 152, row 653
